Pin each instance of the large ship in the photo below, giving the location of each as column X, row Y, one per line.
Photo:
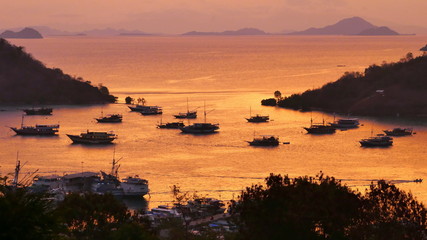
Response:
column 93, row 137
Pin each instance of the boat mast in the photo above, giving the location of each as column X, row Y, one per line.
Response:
column 17, row 170
column 22, row 121
column 204, row 109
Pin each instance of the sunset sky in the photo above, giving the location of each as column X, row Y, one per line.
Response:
column 178, row 16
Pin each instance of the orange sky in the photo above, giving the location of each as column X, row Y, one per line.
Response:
column 178, row 16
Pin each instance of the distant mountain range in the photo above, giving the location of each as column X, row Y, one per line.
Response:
column 48, row 31
column 348, row 26
column 24, row 33
column 243, row 31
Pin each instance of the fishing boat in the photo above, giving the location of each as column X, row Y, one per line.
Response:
column 201, row 128
column 171, row 125
column 265, row 140
column 396, row 132
column 153, row 110
column 110, row 118
column 38, row 111
column 93, row 137
column 346, row 123
column 320, row 128
column 257, row 118
column 134, row 186
column 186, row 115
column 378, row 141
column 38, row 129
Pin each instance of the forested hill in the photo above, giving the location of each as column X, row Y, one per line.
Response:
column 387, row 90
column 25, row 80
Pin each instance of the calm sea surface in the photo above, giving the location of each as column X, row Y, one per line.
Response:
column 232, row 75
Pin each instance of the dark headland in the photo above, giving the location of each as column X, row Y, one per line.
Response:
column 348, row 26
column 24, row 33
column 392, row 89
column 25, row 80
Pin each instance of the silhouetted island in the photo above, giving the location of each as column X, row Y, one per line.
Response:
column 25, row 80
column 243, row 31
column 424, row 48
column 392, row 89
column 348, row 26
column 24, row 33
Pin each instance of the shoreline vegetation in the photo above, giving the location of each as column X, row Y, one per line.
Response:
column 389, row 89
column 25, row 80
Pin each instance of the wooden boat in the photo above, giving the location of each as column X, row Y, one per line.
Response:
column 93, row 137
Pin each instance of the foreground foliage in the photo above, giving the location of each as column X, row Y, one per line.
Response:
column 323, row 208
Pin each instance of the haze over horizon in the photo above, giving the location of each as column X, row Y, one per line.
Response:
column 181, row 16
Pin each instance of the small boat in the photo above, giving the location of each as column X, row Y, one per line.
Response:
column 140, row 108
column 266, row 140
column 110, row 118
column 154, row 110
column 378, row 141
column 257, row 118
column 201, row 128
column 396, row 132
column 38, row 111
column 186, row 115
column 171, row 125
column 346, row 123
column 320, row 128
column 93, row 137
column 418, row 180
column 38, row 129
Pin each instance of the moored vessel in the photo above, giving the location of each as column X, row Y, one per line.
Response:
column 110, row 118
column 171, row 125
column 320, row 128
column 346, row 123
column 201, row 128
column 186, row 115
column 93, row 137
column 265, row 140
column 397, row 132
column 378, row 141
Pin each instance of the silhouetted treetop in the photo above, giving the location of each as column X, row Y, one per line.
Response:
column 25, row 80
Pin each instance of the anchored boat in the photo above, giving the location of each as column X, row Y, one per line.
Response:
column 93, row 137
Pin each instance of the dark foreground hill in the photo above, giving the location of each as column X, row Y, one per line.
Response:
column 24, row 80
column 387, row 90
